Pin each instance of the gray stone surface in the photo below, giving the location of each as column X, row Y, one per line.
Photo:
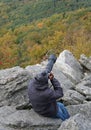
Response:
column 77, row 122
column 84, row 109
column 84, row 87
column 71, row 97
column 85, row 90
column 13, row 86
column 64, row 81
column 35, row 69
column 85, row 61
column 26, row 119
column 70, row 66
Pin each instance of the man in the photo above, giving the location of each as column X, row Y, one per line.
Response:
column 43, row 98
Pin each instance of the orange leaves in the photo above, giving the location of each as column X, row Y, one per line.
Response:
column 40, row 25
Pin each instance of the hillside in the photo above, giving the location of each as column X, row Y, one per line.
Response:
column 23, row 43
column 17, row 12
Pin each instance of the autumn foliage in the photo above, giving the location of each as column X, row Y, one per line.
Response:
column 28, row 44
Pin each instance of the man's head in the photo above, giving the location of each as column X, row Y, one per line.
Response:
column 42, row 77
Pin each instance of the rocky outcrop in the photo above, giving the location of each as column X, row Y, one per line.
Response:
column 75, row 77
column 13, row 86
column 70, row 66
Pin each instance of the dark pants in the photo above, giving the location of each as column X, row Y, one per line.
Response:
column 62, row 112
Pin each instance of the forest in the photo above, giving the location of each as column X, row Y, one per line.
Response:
column 30, row 29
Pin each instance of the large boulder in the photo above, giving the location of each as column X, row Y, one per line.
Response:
column 77, row 122
column 12, row 119
column 70, row 66
column 13, row 86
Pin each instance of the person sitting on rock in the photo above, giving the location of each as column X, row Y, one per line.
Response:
column 43, row 98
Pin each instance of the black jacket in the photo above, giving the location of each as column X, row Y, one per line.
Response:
column 43, row 98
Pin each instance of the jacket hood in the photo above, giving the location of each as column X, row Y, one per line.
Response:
column 42, row 77
column 41, row 80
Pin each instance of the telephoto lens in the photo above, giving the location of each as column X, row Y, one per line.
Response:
column 43, row 76
column 51, row 60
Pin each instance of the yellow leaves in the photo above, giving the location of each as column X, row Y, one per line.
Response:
column 7, row 49
column 28, row 44
column 21, row 29
column 82, row 47
column 55, row 41
column 80, row 44
column 48, row 23
column 7, row 38
column 7, row 56
column 36, row 51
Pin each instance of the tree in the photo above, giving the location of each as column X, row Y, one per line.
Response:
column 54, row 2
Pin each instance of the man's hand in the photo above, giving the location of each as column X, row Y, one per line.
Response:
column 51, row 76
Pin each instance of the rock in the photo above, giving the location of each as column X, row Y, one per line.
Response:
column 4, row 112
column 87, row 80
column 5, row 128
column 26, row 119
column 84, row 87
column 71, row 97
column 35, row 69
column 77, row 122
column 66, row 84
column 16, row 112
column 25, row 105
column 84, row 109
column 70, row 66
column 86, row 62
column 13, row 86
column 85, row 90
